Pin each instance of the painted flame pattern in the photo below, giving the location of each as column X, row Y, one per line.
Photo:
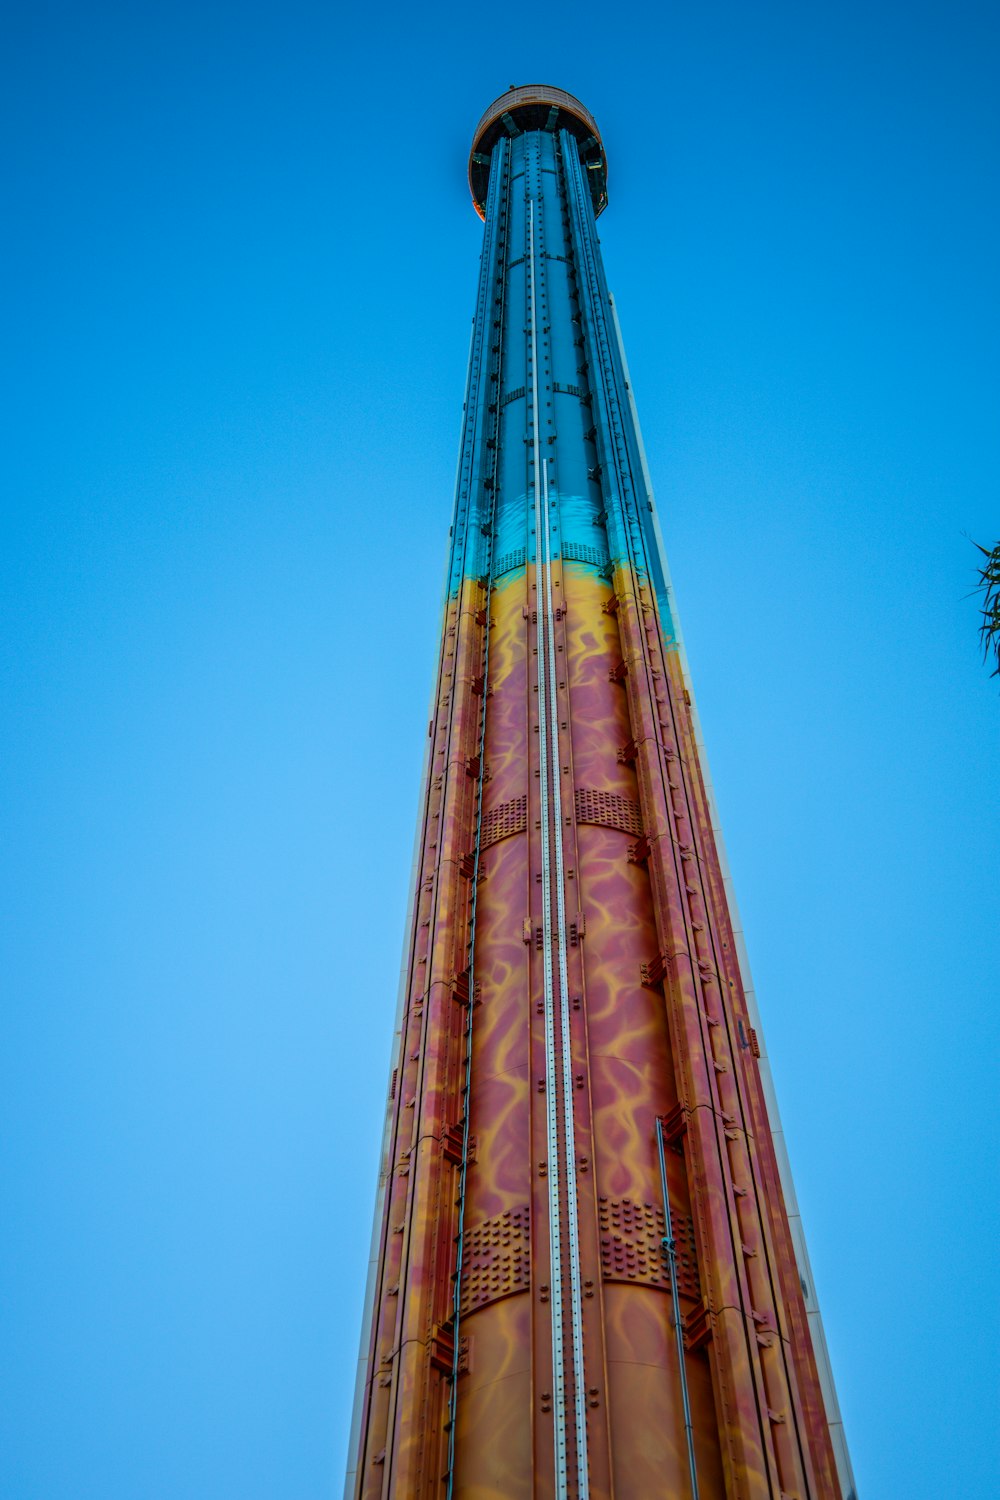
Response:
column 656, row 1017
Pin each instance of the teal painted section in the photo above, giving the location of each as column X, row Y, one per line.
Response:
column 628, row 506
column 600, row 511
column 528, row 179
column 468, row 550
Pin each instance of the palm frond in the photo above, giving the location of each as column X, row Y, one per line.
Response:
column 989, row 587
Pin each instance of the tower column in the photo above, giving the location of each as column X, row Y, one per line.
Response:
column 572, row 991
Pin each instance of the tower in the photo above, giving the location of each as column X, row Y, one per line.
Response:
column 588, row 1276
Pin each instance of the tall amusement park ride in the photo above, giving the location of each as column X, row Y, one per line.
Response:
column 588, row 1274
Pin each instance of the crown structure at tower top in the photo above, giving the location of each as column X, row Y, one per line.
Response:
column 537, row 106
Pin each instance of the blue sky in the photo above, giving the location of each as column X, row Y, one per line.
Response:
column 241, row 262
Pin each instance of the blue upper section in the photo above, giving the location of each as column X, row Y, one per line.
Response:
column 551, row 360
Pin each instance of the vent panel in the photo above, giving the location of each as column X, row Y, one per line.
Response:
column 577, row 552
column 508, row 561
column 608, row 810
column 496, row 1259
column 502, row 821
column 632, row 1246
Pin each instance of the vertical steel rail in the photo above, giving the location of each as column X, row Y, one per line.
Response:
column 569, row 1131
column 551, row 1098
column 670, row 1250
column 456, row 1316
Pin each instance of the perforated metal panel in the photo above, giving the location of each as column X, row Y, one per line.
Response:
column 508, row 561
column 497, row 1259
column 608, row 810
column 632, row 1245
column 503, row 820
column 577, row 552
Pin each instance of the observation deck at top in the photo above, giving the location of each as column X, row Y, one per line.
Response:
column 536, row 106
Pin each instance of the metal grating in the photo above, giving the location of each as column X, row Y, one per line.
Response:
column 577, row 552
column 632, row 1245
column 503, row 820
column 496, row 1259
column 508, row 561
column 514, row 395
column 608, row 810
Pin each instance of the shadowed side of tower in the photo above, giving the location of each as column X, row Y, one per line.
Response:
column 584, row 1280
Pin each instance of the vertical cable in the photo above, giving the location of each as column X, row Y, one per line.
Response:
column 670, row 1250
column 456, row 1316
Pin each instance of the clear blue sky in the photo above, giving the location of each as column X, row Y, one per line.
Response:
column 240, row 263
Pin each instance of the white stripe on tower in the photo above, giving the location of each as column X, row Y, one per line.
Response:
column 551, row 1098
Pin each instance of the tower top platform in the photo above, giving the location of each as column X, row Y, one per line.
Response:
column 537, row 106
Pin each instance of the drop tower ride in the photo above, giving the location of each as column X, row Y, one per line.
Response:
column 588, row 1275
